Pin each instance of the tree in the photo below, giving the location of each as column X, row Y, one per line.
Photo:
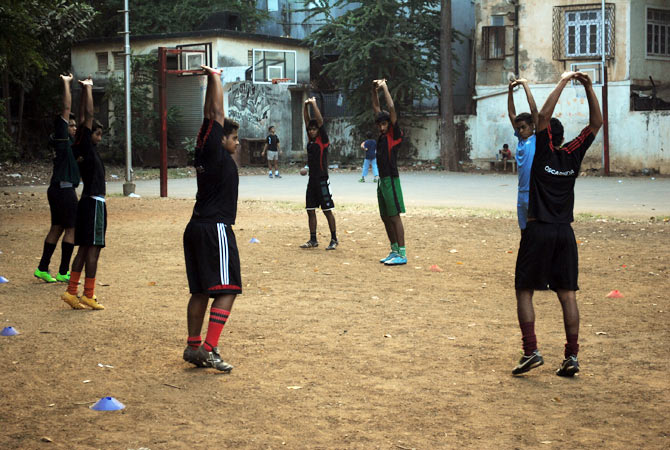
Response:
column 35, row 38
column 393, row 39
column 169, row 16
column 447, row 131
column 145, row 121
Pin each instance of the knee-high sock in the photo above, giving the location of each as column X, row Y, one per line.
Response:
column 47, row 252
column 66, row 255
column 217, row 319
column 528, row 337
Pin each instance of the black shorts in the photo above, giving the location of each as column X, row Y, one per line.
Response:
column 63, row 206
column 318, row 194
column 91, row 225
column 547, row 258
column 212, row 259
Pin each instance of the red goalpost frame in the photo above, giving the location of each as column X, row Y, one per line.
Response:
column 162, row 100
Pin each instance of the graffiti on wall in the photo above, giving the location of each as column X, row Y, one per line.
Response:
column 252, row 105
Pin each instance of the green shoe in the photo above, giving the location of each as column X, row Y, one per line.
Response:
column 63, row 278
column 44, row 276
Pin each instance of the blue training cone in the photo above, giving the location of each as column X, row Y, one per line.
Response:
column 254, row 241
column 4, row 280
column 9, row 331
column 108, row 404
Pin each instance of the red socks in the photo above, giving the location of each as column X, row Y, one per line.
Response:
column 217, row 319
column 194, row 342
column 528, row 337
column 73, row 284
column 572, row 347
column 89, row 286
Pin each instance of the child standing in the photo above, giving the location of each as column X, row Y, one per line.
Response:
column 273, row 151
column 61, row 193
column 210, row 249
column 389, row 192
column 524, row 130
column 91, row 221
column 318, row 190
column 369, row 146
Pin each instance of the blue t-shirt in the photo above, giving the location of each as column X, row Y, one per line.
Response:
column 525, row 152
column 370, row 149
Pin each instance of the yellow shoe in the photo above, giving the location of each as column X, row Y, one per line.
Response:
column 72, row 300
column 91, row 302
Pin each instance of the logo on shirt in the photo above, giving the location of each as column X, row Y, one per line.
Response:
column 556, row 172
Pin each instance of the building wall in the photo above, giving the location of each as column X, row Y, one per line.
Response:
column 637, row 139
column 536, row 62
column 641, row 66
column 255, row 106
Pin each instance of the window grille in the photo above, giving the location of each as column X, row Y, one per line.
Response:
column 493, row 42
column 103, row 61
column 119, row 60
column 577, row 32
column 658, row 32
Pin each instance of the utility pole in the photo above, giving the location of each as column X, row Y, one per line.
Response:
column 448, row 151
column 128, row 186
column 606, row 134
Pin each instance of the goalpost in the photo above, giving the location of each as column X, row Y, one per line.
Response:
column 192, row 58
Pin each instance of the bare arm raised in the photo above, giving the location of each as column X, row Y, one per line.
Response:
column 85, row 113
column 595, row 116
column 381, row 84
column 549, row 105
column 67, row 97
column 317, row 114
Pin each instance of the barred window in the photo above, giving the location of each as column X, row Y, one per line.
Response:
column 119, row 60
column 493, row 42
column 658, row 32
column 103, row 61
column 577, row 32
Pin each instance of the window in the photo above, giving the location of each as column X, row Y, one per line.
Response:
column 658, row 32
column 583, row 36
column 119, row 60
column 578, row 33
column 103, row 61
column 273, row 5
column 270, row 64
column 493, row 42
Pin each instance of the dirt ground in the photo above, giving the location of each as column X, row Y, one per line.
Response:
column 332, row 349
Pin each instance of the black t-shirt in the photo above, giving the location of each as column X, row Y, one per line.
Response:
column 387, row 151
column 218, row 180
column 553, row 174
column 65, row 165
column 90, row 165
column 272, row 142
column 317, row 154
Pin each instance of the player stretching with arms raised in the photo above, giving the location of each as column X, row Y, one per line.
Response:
column 524, row 130
column 548, row 250
column 318, row 190
column 210, row 250
column 91, row 223
column 389, row 192
column 61, row 193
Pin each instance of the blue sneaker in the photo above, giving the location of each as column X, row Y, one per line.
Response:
column 390, row 256
column 397, row 260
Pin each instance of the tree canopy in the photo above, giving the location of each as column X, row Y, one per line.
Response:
column 393, row 39
column 169, row 16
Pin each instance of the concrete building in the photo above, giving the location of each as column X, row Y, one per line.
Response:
column 249, row 61
column 562, row 35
